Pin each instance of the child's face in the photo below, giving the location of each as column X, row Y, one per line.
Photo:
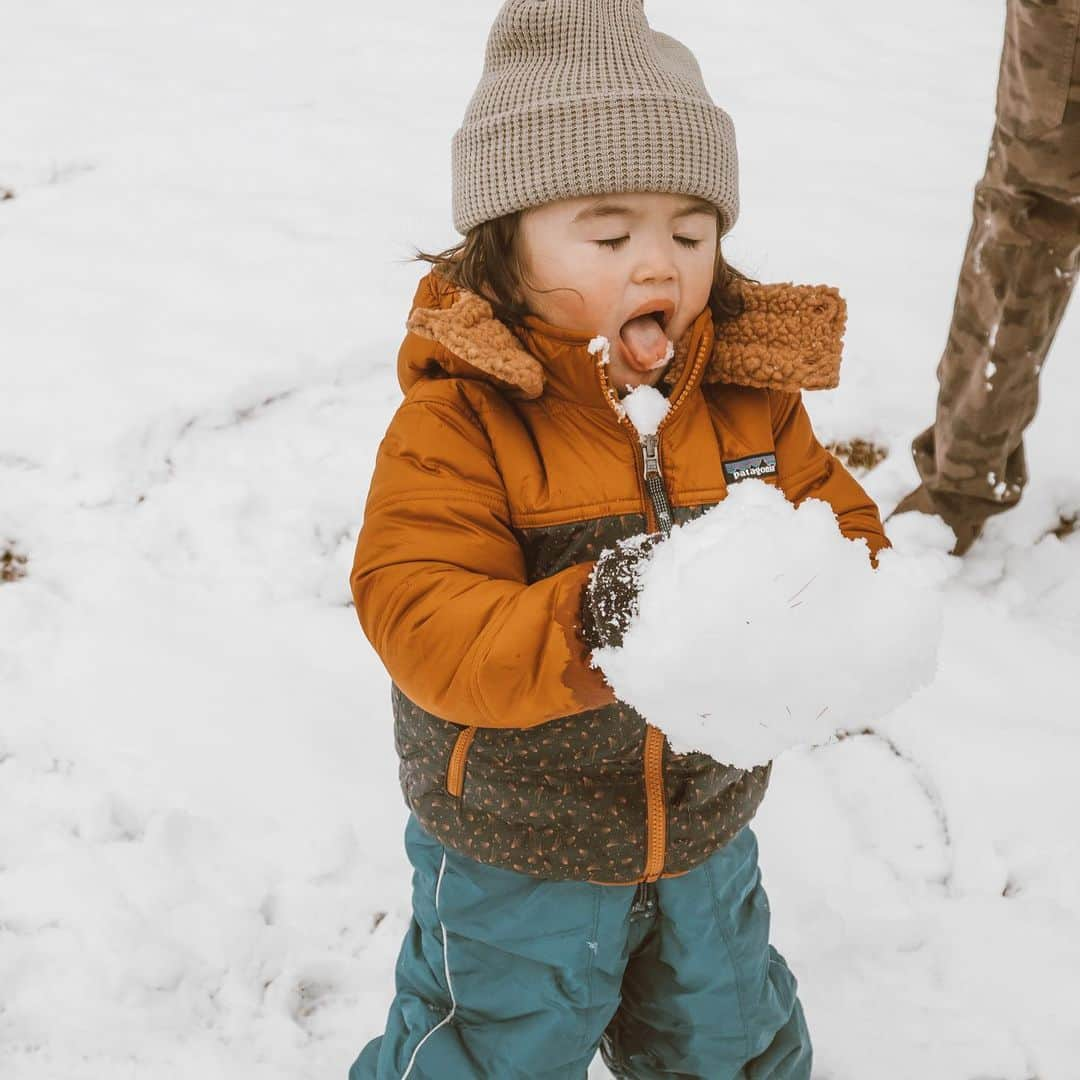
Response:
column 613, row 258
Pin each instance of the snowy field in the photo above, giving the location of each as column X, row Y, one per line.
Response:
column 203, row 284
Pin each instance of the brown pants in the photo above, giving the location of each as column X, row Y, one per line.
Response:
column 1019, row 267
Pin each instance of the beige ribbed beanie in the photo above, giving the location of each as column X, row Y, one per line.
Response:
column 581, row 97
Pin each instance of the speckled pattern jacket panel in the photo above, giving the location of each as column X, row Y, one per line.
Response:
column 567, row 799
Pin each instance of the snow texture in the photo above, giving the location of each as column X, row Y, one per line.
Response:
column 761, row 628
column 600, row 347
column 646, row 408
column 205, row 270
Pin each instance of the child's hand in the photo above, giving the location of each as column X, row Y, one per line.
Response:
column 609, row 603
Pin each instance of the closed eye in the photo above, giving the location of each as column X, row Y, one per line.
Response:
column 687, row 242
column 614, row 243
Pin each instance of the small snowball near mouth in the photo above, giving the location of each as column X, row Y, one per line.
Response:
column 646, row 343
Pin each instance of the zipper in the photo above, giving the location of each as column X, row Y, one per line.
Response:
column 658, row 515
column 644, row 904
column 655, row 810
column 455, row 770
column 657, row 507
column 654, row 482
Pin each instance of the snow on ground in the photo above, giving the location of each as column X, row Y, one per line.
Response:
column 204, row 278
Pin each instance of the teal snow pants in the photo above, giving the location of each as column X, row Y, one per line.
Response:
column 508, row 977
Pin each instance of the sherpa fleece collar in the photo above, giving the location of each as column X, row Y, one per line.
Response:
column 789, row 337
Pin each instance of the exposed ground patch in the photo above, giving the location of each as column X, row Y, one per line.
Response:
column 861, row 455
column 12, row 562
column 1068, row 524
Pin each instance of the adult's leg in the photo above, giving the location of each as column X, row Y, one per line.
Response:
column 706, row 995
column 1017, row 275
column 501, row 976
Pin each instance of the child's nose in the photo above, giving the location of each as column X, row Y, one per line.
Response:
column 654, row 265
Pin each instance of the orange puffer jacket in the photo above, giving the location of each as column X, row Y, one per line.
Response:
column 504, row 473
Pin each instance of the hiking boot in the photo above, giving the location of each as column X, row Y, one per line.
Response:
column 964, row 515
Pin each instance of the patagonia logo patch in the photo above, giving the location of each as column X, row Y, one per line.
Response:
column 750, row 467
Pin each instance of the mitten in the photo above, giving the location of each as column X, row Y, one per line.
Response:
column 610, row 600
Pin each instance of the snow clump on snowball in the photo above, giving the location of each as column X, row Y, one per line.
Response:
column 760, row 627
column 646, row 407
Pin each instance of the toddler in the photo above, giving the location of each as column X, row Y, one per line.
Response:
column 577, row 885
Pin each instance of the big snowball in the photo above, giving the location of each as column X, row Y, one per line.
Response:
column 761, row 627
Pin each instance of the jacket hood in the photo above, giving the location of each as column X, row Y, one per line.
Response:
column 789, row 337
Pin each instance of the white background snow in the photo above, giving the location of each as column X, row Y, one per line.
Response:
column 203, row 281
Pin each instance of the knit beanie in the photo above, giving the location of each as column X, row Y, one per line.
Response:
column 581, row 97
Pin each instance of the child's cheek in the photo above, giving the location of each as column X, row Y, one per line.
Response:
column 701, row 284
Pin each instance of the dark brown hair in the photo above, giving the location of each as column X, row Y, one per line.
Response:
column 487, row 262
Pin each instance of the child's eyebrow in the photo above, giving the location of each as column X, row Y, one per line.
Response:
column 694, row 208
column 605, row 208
column 602, row 209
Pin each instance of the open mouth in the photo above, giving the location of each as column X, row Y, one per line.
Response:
column 661, row 310
column 661, row 317
column 644, row 336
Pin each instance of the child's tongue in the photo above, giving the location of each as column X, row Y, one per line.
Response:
column 645, row 341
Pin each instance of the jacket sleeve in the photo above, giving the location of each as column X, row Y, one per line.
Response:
column 808, row 470
column 439, row 583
